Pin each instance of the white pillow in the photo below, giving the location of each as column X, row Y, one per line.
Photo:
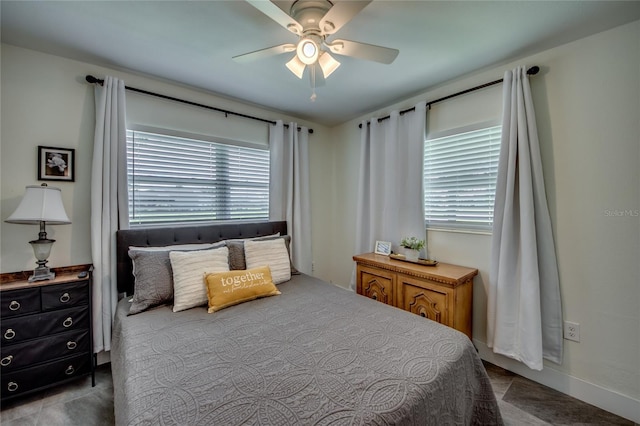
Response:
column 272, row 253
column 189, row 269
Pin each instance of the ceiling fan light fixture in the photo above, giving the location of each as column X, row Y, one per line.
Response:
column 296, row 66
column 307, row 51
column 328, row 64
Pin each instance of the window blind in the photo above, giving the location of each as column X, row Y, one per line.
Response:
column 460, row 173
column 177, row 180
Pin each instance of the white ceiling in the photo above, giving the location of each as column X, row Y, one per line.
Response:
column 192, row 43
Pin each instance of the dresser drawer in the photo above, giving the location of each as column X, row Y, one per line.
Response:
column 45, row 349
column 20, row 302
column 65, row 296
column 27, row 379
column 18, row 330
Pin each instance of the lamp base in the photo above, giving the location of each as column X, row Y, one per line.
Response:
column 42, row 273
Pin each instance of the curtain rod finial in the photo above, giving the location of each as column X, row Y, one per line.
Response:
column 91, row 79
column 533, row 70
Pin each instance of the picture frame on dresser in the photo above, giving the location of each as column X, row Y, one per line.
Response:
column 46, row 334
column 382, row 247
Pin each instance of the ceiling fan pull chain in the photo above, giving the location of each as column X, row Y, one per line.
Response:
column 313, row 97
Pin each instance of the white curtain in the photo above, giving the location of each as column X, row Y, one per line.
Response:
column 524, row 312
column 390, row 202
column 289, row 188
column 109, row 203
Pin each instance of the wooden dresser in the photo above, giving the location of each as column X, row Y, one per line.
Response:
column 442, row 293
column 46, row 336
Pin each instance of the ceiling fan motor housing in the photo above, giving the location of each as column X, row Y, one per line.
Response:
column 309, row 13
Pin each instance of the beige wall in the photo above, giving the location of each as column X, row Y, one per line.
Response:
column 587, row 100
column 45, row 101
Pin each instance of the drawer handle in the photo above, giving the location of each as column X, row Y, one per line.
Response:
column 9, row 334
column 6, row 360
column 422, row 315
column 68, row 322
column 14, row 305
column 71, row 345
column 70, row 370
column 65, row 298
column 12, row 386
column 374, row 297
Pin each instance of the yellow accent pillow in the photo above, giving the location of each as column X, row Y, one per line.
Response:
column 226, row 289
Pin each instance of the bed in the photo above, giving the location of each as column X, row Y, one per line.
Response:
column 314, row 354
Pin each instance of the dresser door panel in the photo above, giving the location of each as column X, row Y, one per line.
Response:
column 377, row 285
column 43, row 349
column 65, row 296
column 427, row 301
column 19, row 302
column 27, row 379
column 16, row 329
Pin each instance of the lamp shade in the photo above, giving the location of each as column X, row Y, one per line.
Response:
column 40, row 204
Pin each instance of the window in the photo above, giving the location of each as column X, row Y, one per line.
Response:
column 175, row 179
column 460, row 173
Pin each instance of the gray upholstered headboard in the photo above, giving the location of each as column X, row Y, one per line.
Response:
column 148, row 237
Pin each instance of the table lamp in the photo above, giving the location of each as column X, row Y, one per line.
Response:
column 41, row 205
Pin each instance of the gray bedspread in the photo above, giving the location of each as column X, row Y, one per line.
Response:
column 315, row 355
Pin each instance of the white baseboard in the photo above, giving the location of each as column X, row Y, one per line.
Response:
column 103, row 358
column 616, row 403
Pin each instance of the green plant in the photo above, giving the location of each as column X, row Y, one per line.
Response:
column 412, row 243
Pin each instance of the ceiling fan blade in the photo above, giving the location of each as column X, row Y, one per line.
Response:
column 277, row 14
column 263, row 53
column 340, row 14
column 366, row 51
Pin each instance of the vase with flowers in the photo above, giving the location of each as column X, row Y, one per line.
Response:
column 412, row 246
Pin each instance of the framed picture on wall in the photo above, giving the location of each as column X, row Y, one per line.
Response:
column 56, row 163
column 383, row 247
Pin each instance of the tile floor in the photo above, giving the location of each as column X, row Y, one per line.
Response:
column 522, row 402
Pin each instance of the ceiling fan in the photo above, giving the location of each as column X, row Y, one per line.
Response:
column 313, row 21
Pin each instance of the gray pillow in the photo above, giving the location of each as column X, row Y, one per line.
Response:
column 237, row 259
column 154, row 276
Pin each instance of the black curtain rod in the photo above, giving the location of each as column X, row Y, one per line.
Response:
column 93, row 80
column 531, row 71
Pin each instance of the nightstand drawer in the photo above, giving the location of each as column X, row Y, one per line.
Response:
column 65, row 296
column 44, row 349
column 18, row 330
column 20, row 302
column 27, row 379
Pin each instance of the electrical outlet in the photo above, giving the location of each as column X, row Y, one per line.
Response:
column 572, row 331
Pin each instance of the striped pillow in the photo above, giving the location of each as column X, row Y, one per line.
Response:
column 272, row 253
column 189, row 269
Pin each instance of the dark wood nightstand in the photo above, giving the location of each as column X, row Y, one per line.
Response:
column 46, row 332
